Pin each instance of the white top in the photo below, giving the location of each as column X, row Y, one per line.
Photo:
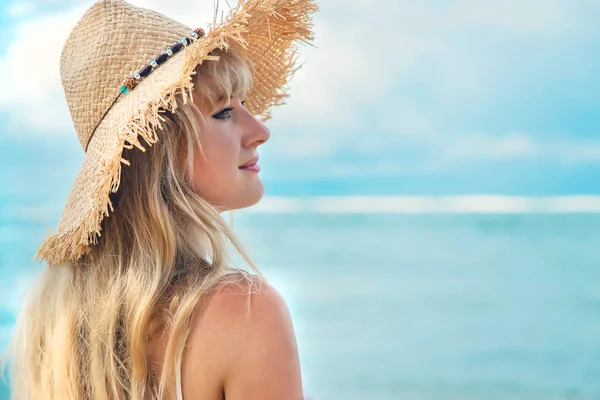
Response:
column 178, row 383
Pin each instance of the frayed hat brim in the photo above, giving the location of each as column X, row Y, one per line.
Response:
column 265, row 31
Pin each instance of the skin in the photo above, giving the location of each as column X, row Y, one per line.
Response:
column 234, row 356
column 229, row 138
column 230, row 354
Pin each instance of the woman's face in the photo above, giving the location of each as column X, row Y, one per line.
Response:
column 230, row 138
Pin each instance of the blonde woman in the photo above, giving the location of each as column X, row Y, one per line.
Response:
column 139, row 299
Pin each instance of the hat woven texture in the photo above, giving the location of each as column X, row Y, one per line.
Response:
column 114, row 40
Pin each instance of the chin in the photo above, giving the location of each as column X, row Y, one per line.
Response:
column 251, row 202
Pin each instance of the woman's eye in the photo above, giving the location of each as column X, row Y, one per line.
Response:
column 223, row 114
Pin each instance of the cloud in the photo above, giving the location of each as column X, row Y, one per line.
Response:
column 419, row 72
column 537, row 17
column 401, row 75
column 30, row 80
column 396, row 156
column 580, row 152
column 513, row 146
column 19, row 9
column 193, row 14
column 510, row 146
column 363, row 52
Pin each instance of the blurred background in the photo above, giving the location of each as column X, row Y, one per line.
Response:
column 430, row 212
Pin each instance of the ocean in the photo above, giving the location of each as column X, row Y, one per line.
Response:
column 405, row 303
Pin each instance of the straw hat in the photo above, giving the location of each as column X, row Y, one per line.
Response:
column 115, row 94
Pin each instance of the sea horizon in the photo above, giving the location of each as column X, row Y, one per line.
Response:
column 414, row 204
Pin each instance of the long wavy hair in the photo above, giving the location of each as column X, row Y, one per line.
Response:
column 84, row 329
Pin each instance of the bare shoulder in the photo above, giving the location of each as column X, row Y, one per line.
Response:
column 243, row 336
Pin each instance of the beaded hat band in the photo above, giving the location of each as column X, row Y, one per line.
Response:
column 115, row 96
column 132, row 81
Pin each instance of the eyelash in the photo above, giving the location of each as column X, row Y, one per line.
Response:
column 224, row 114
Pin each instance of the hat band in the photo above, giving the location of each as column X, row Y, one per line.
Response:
column 131, row 82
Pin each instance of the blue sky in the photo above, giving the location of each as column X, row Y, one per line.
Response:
column 418, row 98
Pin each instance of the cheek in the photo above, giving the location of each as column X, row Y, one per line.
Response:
column 217, row 171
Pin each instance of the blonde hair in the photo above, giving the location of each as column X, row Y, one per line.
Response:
column 84, row 328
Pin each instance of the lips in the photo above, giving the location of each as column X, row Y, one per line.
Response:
column 249, row 163
column 253, row 167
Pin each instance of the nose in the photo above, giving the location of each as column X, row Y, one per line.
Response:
column 257, row 132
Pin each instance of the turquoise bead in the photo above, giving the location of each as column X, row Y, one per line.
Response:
column 124, row 89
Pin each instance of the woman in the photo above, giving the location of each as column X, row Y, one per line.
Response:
column 139, row 300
